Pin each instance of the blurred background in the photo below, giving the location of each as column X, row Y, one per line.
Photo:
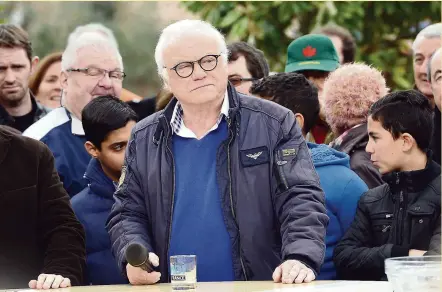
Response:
column 383, row 30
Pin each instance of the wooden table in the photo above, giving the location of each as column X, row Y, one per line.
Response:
column 320, row 286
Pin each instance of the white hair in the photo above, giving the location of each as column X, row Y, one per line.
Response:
column 182, row 29
column 91, row 40
column 434, row 55
column 429, row 32
column 93, row 27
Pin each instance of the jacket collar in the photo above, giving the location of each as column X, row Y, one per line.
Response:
column 38, row 109
column 165, row 117
column 354, row 138
column 76, row 124
column 98, row 181
column 413, row 181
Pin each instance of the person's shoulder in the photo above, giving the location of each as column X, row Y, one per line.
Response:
column 262, row 106
column 42, row 127
column 375, row 194
column 80, row 200
column 147, row 123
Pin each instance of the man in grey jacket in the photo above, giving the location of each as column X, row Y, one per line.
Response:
column 217, row 174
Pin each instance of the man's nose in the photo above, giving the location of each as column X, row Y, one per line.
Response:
column 105, row 81
column 9, row 76
column 198, row 72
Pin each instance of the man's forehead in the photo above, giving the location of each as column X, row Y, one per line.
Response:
column 435, row 61
column 13, row 54
column 190, row 49
column 426, row 46
column 97, row 58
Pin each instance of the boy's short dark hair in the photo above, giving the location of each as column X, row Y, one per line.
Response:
column 293, row 91
column 255, row 59
column 12, row 36
column 103, row 115
column 407, row 111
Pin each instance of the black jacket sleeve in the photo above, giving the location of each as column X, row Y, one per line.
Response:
column 61, row 234
column 356, row 257
column 299, row 201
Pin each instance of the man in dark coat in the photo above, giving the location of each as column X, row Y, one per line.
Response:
column 42, row 242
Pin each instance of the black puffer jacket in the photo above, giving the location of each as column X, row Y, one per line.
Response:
column 391, row 219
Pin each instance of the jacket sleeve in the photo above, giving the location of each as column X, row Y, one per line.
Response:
column 435, row 243
column 61, row 234
column 127, row 222
column 355, row 257
column 299, row 199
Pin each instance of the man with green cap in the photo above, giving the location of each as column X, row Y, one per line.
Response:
column 314, row 56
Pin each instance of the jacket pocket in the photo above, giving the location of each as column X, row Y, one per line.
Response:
column 421, row 226
column 382, row 224
column 283, row 159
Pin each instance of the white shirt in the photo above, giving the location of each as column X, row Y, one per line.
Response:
column 181, row 130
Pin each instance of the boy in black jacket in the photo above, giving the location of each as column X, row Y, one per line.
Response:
column 401, row 217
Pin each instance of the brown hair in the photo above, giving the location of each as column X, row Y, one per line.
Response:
column 163, row 98
column 43, row 66
column 12, row 36
column 348, row 42
column 255, row 59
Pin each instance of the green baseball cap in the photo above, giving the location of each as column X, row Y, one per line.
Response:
column 312, row 52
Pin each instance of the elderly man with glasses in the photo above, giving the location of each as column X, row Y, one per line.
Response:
column 217, row 174
column 91, row 66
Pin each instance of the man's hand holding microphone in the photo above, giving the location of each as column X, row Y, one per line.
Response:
column 141, row 263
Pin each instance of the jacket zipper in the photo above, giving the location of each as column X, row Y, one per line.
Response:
column 399, row 216
column 231, row 197
column 171, row 207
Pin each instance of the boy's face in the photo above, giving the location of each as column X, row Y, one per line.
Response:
column 387, row 154
column 111, row 155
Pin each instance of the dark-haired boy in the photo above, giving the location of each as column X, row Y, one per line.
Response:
column 401, row 217
column 107, row 123
column 341, row 185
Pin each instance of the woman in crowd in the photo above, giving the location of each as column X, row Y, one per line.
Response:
column 349, row 93
column 45, row 82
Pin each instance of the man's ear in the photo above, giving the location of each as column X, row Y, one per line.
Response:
column 300, row 120
column 34, row 64
column 91, row 149
column 63, row 80
column 407, row 142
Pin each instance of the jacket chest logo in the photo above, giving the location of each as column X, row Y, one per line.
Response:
column 254, row 156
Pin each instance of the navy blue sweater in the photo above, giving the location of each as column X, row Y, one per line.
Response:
column 198, row 225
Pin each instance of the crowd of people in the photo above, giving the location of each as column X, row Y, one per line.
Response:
column 320, row 172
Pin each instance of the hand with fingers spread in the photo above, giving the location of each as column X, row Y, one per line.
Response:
column 138, row 276
column 50, row 281
column 293, row 271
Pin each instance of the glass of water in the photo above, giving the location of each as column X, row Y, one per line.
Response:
column 183, row 272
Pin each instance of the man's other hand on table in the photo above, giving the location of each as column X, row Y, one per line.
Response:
column 48, row 281
column 293, row 271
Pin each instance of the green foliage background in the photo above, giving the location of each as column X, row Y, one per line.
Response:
column 383, row 29
column 136, row 29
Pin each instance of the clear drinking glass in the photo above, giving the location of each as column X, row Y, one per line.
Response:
column 183, row 272
column 414, row 274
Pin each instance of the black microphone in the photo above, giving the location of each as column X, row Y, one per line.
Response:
column 138, row 256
